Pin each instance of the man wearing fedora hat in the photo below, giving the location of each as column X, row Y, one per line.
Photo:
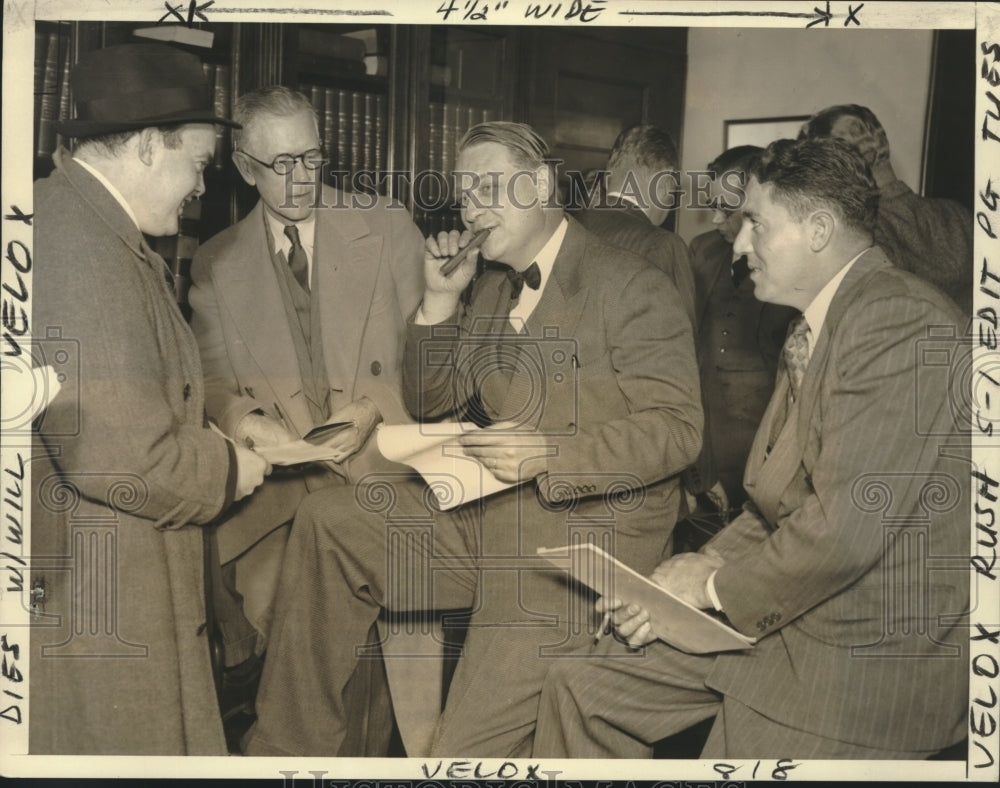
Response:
column 129, row 468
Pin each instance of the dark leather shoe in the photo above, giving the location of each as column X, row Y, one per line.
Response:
column 236, row 700
column 239, row 687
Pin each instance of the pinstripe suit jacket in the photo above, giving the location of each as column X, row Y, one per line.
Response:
column 836, row 564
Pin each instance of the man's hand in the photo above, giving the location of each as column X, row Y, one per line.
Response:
column 510, row 456
column 441, row 293
column 364, row 415
column 258, row 429
column 631, row 622
column 685, row 575
column 251, row 469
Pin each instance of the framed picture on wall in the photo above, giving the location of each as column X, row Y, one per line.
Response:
column 761, row 131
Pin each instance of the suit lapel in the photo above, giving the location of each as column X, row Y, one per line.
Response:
column 247, row 278
column 768, row 478
column 869, row 262
column 560, row 307
column 347, row 259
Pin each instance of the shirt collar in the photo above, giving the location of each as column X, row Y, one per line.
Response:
column 625, row 198
column 546, row 256
column 307, row 232
column 119, row 198
column 815, row 313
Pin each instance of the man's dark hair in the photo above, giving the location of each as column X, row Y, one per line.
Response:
column 738, row 159
column 815, row 173
column 863, row 131
column 646, row 146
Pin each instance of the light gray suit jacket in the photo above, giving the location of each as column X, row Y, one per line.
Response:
column 369, row 275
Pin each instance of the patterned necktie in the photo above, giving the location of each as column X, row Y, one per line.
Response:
column 298, row 260
column 796, row 353
column 531, row 276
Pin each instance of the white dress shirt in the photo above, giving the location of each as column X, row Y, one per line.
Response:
column 307, row 236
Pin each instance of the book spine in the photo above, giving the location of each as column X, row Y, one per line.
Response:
column 317, row 97
column 357, row 132
column 381, row 162
column 369, row 151
column 222, row 98
column 329, row 125
column 65, row 98
column 343, row 128
column 41, row 44
column 447, row 139
column 49, row 105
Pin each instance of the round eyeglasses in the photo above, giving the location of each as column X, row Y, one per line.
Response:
column 284, row 163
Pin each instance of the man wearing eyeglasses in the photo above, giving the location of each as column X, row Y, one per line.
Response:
column 300, row 311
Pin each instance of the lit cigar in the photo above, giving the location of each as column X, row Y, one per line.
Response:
column 458, row 259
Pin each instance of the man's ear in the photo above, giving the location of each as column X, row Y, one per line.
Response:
column 822, row 225
column 244, row 167
column 544, row 184
column 149, row 139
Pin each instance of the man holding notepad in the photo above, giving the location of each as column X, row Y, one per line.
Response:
column 846, row 564
column 584, row 377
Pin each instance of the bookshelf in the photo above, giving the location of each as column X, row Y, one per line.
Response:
column 396, row 99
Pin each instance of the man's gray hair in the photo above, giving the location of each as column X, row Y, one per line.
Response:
column 273, row 101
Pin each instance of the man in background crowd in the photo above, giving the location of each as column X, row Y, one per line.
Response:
column 929, row 237
column 739, row 336
column 640, row 186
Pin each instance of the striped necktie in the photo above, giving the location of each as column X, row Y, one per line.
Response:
column 298, row 260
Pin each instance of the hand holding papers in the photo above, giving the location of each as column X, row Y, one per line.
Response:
column 672, row 620
column 435, row 451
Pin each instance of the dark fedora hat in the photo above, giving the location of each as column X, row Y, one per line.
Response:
column 132, row 86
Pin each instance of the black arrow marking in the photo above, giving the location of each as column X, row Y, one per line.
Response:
column 817, row 16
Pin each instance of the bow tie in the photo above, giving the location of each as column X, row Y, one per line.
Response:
column 740, row 270
column 530, row 276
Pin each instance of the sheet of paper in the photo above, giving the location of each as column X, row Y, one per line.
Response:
column 673, row 620
column 433, row 451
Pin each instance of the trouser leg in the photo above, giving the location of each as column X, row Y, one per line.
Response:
column 237, row 633
column 335, row 579
column 616, row 703
column 741, row 732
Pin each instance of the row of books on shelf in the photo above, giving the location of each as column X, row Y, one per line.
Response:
column 353, row 126
column 52, row 99
column 448, row 124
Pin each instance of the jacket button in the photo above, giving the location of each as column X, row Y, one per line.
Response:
column 376, row 368
column 187, row 391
